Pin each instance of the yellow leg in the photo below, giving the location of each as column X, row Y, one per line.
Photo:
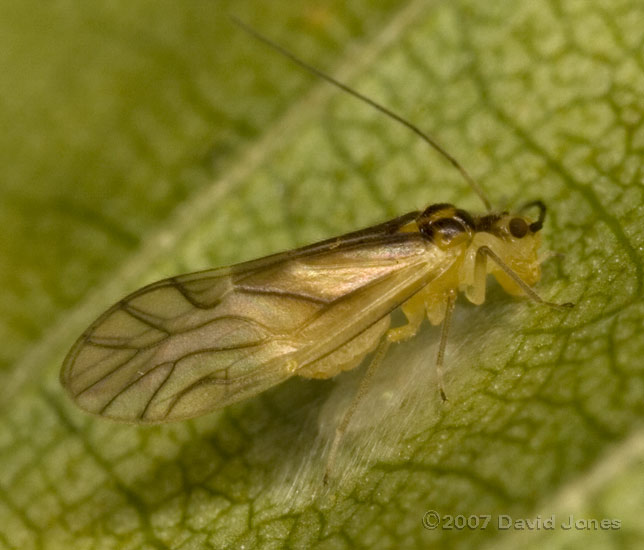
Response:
column 476, row 292
column 484, row 250
column 398, row 334
column 415, row 317
column 381, row 350
column 451, row 300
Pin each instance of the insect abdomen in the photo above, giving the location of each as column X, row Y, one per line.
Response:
column 349, row 355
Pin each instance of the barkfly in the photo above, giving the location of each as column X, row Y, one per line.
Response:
column 190, row 344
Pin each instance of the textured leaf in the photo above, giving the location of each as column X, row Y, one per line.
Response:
column 144, row 140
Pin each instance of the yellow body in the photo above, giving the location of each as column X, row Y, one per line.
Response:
column 190, row 344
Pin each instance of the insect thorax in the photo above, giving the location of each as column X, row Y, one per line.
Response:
column 512, row 238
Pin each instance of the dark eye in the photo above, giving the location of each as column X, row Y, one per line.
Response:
column 518, row 227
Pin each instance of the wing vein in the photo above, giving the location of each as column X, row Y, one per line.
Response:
column 280, row 294
column 146, row 318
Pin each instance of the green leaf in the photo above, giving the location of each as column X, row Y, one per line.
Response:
column 141, row 141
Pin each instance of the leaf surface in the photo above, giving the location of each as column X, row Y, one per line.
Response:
column 140, row 141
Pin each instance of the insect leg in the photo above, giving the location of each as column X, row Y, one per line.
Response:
column 484, row 250
column 476, row 291
column 381, row 350
column 451, row 300
column 415, row 314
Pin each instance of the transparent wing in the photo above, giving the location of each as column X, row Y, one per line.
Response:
column 187, row 345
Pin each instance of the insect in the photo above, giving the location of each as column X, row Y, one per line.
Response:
column 190, row 344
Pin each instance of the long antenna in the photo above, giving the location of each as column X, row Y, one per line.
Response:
column 317, row 72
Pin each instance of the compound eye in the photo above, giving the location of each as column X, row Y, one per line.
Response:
column 518, row 227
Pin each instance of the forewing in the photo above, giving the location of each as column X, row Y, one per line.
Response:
column 190, row 344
